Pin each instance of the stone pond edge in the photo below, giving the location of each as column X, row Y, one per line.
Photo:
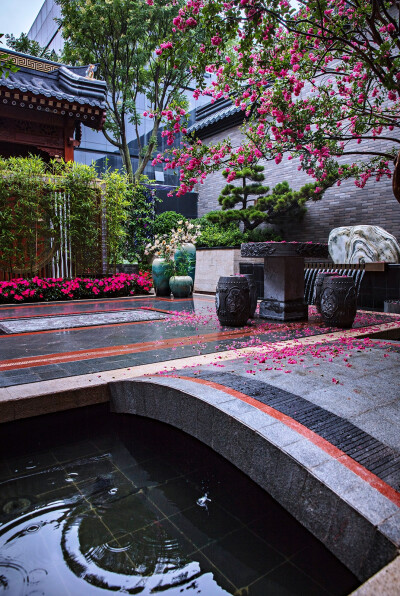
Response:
column 360, row 526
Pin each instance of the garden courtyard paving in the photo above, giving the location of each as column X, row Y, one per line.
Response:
column 329, row 398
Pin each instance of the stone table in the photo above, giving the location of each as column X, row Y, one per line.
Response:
column 284, row 276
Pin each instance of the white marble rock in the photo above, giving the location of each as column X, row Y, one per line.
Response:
column 363, row 244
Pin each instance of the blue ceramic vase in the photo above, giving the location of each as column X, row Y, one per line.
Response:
column 160, row 271
column 181, row 286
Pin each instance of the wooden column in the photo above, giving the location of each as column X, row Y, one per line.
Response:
column 69, row 142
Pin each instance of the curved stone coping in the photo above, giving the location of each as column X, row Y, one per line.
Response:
column 340, row 506
column 284, row 249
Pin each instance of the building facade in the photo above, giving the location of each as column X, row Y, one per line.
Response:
column 45, row 106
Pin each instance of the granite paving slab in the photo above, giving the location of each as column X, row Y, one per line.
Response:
column 27, row 325
column 365, row 449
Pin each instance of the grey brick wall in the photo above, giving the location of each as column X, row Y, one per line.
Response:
column 340, row 206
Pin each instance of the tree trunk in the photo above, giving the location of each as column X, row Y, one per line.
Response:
column 126, row 158
column 149, row 152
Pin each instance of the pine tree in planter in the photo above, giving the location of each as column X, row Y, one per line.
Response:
column 256, row 204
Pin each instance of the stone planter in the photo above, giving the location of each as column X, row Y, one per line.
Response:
column 283, row 276
column 181, row 286
column 318, row 288
column 338, row 301
column 232, row 301
column 160, row 271
column 253, row 293
column 190, row 250
column 212, row 263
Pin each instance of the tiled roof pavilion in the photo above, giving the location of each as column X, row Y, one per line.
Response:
column 44, row 104
column 216, row 117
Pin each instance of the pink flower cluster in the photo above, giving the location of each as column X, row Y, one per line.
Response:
column 52, row 288
column 306, row 93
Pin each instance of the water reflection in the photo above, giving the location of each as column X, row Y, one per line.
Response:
column 136, row 507
column 150, row 561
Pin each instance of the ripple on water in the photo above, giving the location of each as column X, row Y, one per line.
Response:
column 13, row 577
column 86, row 528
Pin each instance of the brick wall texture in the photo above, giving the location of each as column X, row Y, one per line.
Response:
column 345, row 205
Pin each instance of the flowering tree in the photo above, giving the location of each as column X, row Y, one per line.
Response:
column 320, row 83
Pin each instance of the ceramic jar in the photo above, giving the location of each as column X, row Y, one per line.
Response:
column 190, row 250
column 160, row 272
column 181, row 286
column 338, row 301
column 232, row 301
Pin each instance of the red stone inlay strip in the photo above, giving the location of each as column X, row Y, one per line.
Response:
column 106, row 352
column 373, row 480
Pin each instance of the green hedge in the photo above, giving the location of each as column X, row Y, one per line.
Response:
column 165, row 222
column 213, row 234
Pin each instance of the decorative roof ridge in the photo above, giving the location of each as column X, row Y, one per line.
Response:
column 81, row 85
column 4, row 50
column 68, row 72
column 212, row 118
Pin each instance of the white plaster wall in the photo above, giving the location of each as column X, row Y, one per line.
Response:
column 212, row 263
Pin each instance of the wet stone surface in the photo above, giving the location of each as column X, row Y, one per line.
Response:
column 83, row 320
column 190, row 329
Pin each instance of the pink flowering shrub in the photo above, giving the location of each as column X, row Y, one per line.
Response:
column 20, row 290
column 314, row 81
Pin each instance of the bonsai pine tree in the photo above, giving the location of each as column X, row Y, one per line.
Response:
column 255, row 201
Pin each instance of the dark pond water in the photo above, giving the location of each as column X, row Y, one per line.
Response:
column 94, row 503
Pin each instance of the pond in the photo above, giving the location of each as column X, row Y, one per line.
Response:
column 94, row 503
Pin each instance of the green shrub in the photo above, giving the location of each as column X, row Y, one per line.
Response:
column 214, row 234
column 164, row 222
column 261, row 235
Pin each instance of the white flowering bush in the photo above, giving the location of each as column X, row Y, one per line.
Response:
column 185, row 233
column 161, row 247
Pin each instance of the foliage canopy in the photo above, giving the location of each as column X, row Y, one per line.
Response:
column 125, row 38
column 320, row 82
column 29, row 46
